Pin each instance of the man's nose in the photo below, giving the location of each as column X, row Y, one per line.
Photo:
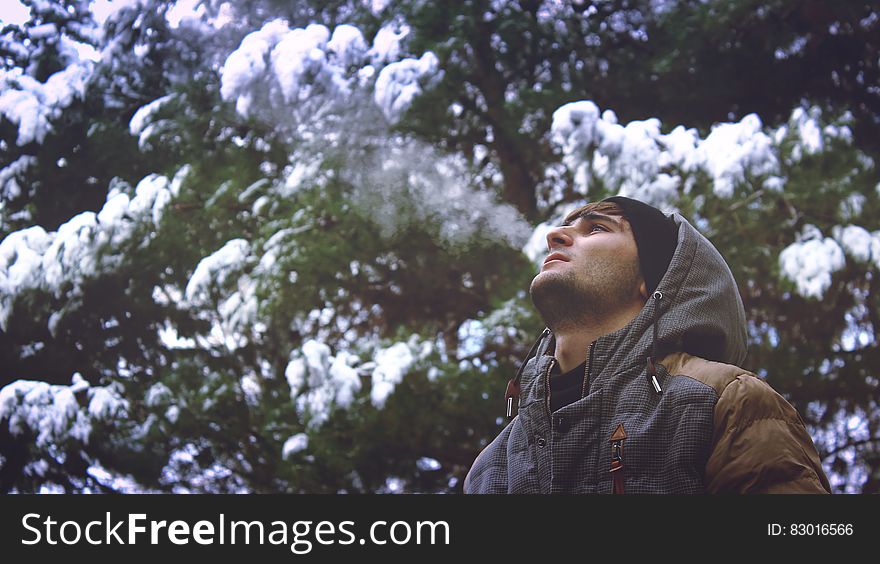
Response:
column 559, row 237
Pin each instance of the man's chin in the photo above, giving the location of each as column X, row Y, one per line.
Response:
column 548, row 281
column 548, row 275
column 555, row 297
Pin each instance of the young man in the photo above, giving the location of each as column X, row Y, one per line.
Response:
column 634, row 387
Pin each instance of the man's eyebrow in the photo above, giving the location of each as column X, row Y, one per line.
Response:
column 596, row 216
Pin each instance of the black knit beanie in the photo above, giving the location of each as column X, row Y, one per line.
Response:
column 656, row 237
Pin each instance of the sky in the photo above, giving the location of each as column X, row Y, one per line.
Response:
column 13, row 12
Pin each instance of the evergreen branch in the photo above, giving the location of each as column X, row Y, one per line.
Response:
column 850, row 444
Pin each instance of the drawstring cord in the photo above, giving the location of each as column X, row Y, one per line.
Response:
column 652, row 369
column 513, row 387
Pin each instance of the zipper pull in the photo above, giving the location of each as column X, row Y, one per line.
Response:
column 511, row 393
column 616, row 440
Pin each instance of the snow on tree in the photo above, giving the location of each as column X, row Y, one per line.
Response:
column 639, row 161
column 286, row 247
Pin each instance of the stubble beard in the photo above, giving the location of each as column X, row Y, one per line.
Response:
column 568, row 299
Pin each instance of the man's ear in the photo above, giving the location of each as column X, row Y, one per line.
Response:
column 643, row 290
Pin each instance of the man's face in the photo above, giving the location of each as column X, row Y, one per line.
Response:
column 591, row 268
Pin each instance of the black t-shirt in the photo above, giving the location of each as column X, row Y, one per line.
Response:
column 566, row 388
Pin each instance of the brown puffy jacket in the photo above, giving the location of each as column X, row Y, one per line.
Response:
column 759, row 442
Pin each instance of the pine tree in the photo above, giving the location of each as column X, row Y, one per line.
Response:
column 285, row 246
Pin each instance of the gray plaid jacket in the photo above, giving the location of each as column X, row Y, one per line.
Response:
column 715, row 427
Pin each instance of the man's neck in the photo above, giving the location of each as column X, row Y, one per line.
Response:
column 573, row 341
column 571, row 349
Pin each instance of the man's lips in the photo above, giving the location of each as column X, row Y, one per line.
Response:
column 556, row 256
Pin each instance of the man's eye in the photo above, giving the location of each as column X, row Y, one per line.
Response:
column 599, row 226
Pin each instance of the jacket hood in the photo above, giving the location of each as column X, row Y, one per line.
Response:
column 700, row 313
